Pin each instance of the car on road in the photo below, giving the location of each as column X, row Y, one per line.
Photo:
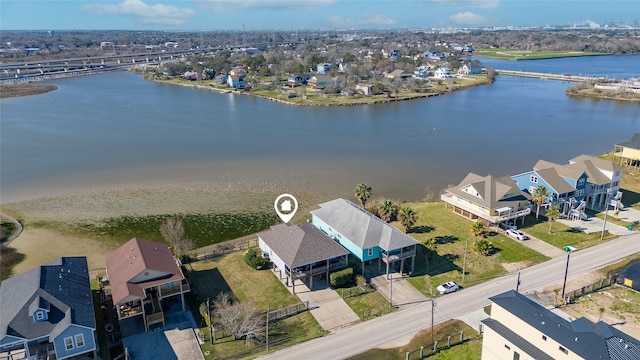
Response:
column 448, row 287
column 517, row 234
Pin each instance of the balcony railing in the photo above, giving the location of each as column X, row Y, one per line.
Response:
column 174, row 290
column 127, row 311
column 448, row 198
column 389, row 258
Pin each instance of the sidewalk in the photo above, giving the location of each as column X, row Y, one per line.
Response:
column 594, row 225
column 542, row 247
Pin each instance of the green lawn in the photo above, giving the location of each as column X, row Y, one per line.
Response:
column 451, row 233
column 562, row 235
column 515, row 54
column 368, row 305
column 229, row 273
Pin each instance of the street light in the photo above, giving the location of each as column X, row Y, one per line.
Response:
column 569, row 250
column 606, row 210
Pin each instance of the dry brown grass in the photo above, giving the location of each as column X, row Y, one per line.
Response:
column 15, row 90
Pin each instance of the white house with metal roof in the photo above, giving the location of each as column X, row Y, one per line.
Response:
column 365, row 236
column 520, row 328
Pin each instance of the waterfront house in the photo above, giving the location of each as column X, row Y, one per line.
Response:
column 469, row 69
column 520, row 328
column 47, row 312
column 566, row 184
column 628, row 152
column 144, row 280
column 366, row 89
column 301, row 252
column 443, row 72
column 365, row 236
column 421, row 73
column 488, row 199
column 319, row 81
column 235, row 82
column 298, row 79
column 603, row 180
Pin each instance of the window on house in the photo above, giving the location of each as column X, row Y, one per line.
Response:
column 516, row 355
column 534, row 179
column 79, row 340
column 507, row 347
column 39, row 316
column 68, row 343
column 615, row 183
column 579, row 192
column 370, row 252
column 544, row 337
column 563, row 350
column 581, row 182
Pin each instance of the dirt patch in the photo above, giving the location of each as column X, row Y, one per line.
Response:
column 515, row 266
column 41, row 246
column 617, row 306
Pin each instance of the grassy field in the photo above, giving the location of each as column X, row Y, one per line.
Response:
column 368, row 305
column 229, row 273
column 469, row 350
column 510, row 54
column 14, row 90
column 451, row 233
column 562, row 235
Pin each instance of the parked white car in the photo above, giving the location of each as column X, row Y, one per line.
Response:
column 447, row 287
column 517, row 234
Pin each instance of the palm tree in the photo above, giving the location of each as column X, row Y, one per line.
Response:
column 388, row 209
column 539, row 196
column 552, row 214
column 477, row 228
column 407, row 217
column 363, row 193
column 431, row 245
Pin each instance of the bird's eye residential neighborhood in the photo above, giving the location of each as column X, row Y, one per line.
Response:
column 146, row 293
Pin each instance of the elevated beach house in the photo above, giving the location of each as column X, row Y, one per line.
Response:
column 520, row 328
column 628, row 153
column 301, row 252
column 603, row 180
column 145, row 280
column 489, row 199
column 47, row 313
column 367, row 238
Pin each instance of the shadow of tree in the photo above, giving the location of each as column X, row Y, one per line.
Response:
column 422, row 229
column 446, row 239
column 432, row 264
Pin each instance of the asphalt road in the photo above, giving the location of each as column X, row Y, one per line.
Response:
column 374, row 333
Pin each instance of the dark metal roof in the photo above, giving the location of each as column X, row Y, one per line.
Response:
column 299, row 245
column 583, row 337
column 62, row 285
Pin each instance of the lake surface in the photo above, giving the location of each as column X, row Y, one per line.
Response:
column 115, row 130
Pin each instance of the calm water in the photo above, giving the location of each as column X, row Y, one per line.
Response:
column 117, row 129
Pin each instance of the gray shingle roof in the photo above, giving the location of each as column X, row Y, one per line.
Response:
column 299, row 245
column 583, row 337
column 491, row 191
column 633, row 143
column 557, row 183
column 62, row 284
column 361, row 227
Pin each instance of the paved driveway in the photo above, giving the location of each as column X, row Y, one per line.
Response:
column 403, row 293
column 327, row 307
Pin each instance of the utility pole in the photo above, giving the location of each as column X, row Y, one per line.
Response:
column 433, row 304
column 391, row 291
column 518, row 283
column 606, row 210
column 211, row 331
column 566, row 271
column 464, row 262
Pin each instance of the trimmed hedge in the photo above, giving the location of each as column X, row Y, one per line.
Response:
column 341, row 278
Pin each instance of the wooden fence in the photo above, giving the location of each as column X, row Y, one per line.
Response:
column 572, row 295
column 222, row 250
column 429, row 350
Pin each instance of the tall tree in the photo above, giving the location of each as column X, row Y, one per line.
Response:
column 539, row 196
column 407, row 218
column 553, row 213
column 388, row 210
column 431, row 245
column 241, row 320
column 173, row 231
column 363, row 193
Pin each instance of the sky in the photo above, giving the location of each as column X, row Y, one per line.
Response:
column 307, row 14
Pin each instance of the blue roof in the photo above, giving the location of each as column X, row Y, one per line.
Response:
column 61, row 285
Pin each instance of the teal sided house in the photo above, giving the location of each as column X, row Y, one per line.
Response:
column 47, row 313
column 366, row 237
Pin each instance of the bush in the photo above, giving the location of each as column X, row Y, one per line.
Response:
column 341, row 278
column 483, row 247
column 253, row 259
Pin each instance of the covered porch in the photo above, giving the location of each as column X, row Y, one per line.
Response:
column 393, row 256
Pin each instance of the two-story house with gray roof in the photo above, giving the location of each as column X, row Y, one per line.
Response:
column 48, row 311
column 520, row 328
column 365, row 236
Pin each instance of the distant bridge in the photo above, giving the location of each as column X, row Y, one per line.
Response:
column 566, row 77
